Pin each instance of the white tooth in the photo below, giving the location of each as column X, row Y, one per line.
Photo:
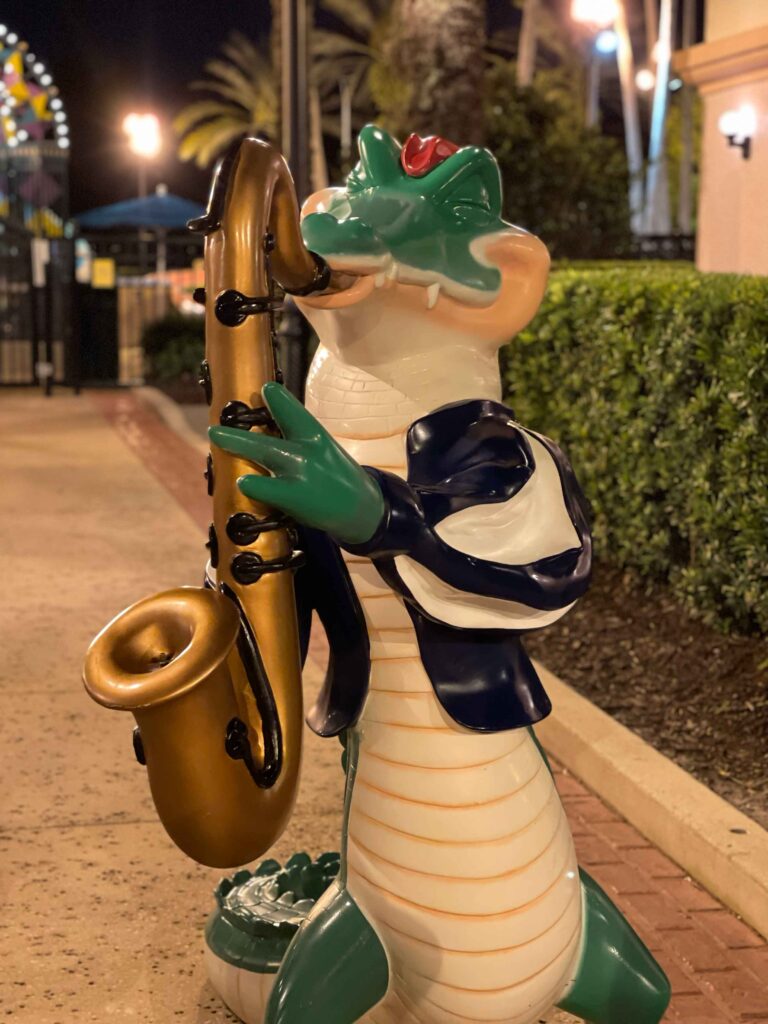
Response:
column 380, row 279
column 433, row 291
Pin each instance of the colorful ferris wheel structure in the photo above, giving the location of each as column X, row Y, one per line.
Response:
column 34, row 142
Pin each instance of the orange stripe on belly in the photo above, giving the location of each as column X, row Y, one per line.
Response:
column 458, row 842
column 449, row 807
column 505, row 988
column 427, row 767
column 452, row 913
column 366, row 437
column 468, row 878
column 480, row 952
column 398, row 657
column 401, row 725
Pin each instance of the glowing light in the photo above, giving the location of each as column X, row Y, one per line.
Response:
column 12, row 38
column 607, row 41
column 660, row 51
column 675, row 84
column 45, row 79
column 143, row 131
column 645, row 80
column 39, row 68
column 3, row 30
column 63, row 143
column 600, row 13
column 740, row 124
column 59, row 115
column 22, row 136
column 56, row 104
column 62, row 129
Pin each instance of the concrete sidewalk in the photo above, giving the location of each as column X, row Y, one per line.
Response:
column 101, row 915
column 102, row 504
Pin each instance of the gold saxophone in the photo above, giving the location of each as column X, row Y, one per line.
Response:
column 212, row 674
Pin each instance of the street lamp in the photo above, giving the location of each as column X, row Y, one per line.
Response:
column 599, row 16
column 606, row 42
column 144, row 139
column 598, row 13
column 607, row 20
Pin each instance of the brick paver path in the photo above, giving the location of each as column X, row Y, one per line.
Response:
column 717, row 965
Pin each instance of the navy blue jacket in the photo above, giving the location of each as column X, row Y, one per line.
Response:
column 462, row 455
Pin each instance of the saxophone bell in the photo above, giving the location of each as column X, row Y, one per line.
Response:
column 168, row 660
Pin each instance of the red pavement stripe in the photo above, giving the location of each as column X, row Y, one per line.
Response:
column 718, row 966
column 177, row 465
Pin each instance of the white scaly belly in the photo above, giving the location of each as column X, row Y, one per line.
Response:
column 458, row 852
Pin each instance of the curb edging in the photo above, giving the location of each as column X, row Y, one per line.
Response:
column 168, row 410
column 718, row 845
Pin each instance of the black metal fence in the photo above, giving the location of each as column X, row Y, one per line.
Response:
column 38, row 337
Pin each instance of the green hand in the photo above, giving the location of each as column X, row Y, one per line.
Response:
column 313, row 479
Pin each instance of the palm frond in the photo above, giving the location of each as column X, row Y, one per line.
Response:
column 206, row 141
column 225, row 92
column 230, row 75
column 246, row 56
column 218, row 141
column 203, row 110
column 360, row 16
column 327, row 44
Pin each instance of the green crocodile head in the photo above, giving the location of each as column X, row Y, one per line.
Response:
column 421, row 229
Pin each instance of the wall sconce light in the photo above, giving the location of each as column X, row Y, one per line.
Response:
column 739, row 127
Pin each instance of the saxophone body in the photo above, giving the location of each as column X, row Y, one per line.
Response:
column 212, row 675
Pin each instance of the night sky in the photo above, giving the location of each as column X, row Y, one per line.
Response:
column 109, row 58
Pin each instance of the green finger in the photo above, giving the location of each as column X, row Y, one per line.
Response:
column 289, row 414
column 274, row 453
column 270, row 490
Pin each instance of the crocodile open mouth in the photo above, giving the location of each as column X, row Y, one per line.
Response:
column 367, row 274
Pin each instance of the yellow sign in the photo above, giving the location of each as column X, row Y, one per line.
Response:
column 103, row 273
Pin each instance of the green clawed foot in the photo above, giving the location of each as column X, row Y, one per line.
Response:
column 313, row 479
column 335, row 969
column 618, row 981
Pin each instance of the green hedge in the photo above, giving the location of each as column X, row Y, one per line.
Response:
column 174, row 347
column 655, row 381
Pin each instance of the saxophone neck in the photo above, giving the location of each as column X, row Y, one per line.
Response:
column 253, row 204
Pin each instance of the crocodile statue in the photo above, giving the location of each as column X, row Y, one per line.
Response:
column 437, row 531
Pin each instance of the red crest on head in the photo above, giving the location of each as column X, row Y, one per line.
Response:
column 418, row 156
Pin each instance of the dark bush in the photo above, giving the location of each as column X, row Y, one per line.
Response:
column 563, row 181
column 174, row 347
column 655, row 380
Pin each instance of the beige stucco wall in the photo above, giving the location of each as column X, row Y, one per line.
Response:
column 729, row 17
column 733, row 199
column 730, row 70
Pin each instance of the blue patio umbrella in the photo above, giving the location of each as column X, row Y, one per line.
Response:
column 161, row 211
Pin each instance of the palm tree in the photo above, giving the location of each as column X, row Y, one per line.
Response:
column 346, row 63
column 435, row 53
column 244, row 99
